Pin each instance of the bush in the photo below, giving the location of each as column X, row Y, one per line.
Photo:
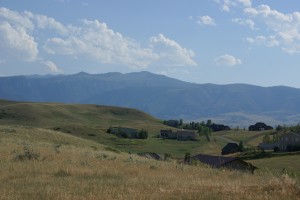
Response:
column 142, row 134
column 28, row 154
column 276, row 149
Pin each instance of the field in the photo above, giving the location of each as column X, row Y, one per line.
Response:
column 83, row 169
column 62, row 151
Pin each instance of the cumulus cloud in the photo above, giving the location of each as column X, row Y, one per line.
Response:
column 206, row 20
column 16, row 33
column 91, row 39
column 285, row 28
column 51, row 66
column 171, row 53
column 97, row 41
column 44, row 22
column 226, row 5
column 227, row 60
column 16, row 42
column 245, row 22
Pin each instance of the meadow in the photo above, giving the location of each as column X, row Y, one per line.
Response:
column 63, row 166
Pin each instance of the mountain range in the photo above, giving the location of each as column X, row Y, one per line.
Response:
column 161, row 96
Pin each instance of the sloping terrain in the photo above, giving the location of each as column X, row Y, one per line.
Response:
column 92, row 121
column 43, row 164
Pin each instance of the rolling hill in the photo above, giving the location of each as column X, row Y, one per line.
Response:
column 161, row 96
column 92, row 121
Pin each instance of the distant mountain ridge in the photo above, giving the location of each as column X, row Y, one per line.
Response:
column 161, row 96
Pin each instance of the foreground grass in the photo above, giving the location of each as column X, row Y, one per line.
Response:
column 82, row 169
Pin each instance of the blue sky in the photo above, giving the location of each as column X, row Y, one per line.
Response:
column 202, row 41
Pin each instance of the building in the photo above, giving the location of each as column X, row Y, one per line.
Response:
column 289, row 142
column 179, row 135
column 259, row 126
column 225, row 162
column 267, row 146
column 230, row 148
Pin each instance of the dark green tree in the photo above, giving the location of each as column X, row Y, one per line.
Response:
column 205, row 131
column 241, row 146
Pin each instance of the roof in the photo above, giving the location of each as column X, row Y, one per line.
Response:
column 214, row 161
column 230, row 146
column 155, row 156
column 292, row 133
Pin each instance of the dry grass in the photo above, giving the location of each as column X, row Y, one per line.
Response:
column 84, row 170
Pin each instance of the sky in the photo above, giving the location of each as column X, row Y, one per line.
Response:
column 201, row 41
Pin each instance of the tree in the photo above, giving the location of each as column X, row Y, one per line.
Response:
column 206, row 131
column 143, row 134
column 208, row 123
column 187, row 157
column 241, row 146
column 180, row 122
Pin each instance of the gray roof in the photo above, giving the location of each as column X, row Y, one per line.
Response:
column 218, row 161
column 155, row 156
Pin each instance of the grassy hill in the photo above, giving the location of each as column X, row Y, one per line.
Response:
column 84, row 169
column 92, row 121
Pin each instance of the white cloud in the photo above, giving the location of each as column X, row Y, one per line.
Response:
column 206, row 20
column 44, row 22
column 91, row 39
column 171, row 53
column 17, row 43
column 227, row 60
column 97, row 41
column 285, row 27
column 262, row 40
column 16, row 33
column 245, row 22
column 226, row 5
column 51, row 66
column 17, row 19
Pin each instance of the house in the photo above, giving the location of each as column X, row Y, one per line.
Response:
column 219, row 127
column 179, row 135
column 267, row 146
column 289, row 142
column 259, row 126
column 225, row 162
column 155, row 156
column 186, row 135
column 230, row 148
column 168, row 134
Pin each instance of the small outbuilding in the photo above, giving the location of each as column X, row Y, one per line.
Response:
column 230, row 148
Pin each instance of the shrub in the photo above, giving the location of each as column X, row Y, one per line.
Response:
column 28, row 154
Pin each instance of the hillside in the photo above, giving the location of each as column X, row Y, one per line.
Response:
column 161, row 96
column 92, row 121
column 83, row 169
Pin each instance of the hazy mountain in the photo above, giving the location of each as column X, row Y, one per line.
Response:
column 161, row 96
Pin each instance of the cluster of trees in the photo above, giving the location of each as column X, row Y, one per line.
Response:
column 203, row 128
column 283, row 128
column 128, row 133
column 196, row 125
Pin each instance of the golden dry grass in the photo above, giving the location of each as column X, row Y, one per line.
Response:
column 82, row 169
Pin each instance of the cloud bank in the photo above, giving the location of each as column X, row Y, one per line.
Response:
column 91, row 39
